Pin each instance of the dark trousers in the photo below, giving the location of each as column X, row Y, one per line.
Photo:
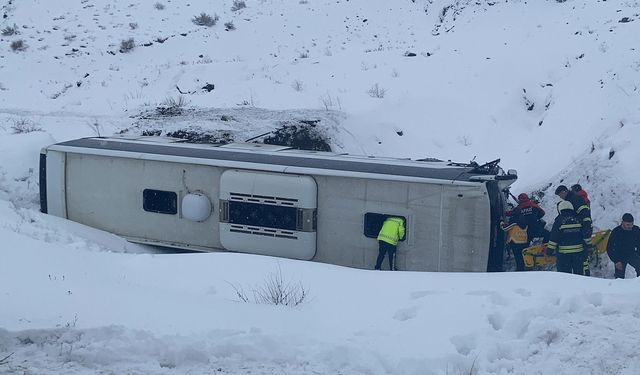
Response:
column 386, row 248
column 516, row 249
column 538, row 231
column 571, row 262
column 634, row 261
column 586, row 264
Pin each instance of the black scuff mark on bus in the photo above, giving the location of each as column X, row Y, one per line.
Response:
column 496, row 242
column 43, row 183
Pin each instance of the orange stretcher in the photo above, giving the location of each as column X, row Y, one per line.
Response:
column 536, row 256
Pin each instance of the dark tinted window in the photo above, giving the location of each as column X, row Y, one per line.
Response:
column 162, row 202
column 373, row 223
column 263, row 215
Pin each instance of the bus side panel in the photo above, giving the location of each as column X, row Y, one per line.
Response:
column 54, row 183
column 423, row 229
column 343, row 204
column 108, row 193
column 466, row 221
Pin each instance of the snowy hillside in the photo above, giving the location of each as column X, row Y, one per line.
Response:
column 552, row 88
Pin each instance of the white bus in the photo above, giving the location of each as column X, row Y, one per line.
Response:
column 278, row 201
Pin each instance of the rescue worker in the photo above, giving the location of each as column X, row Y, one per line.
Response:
column 579, row 205
column 568, row 239
column 577, row 188
column 583, row 210
column 623, row 246
column 517, row 240
column 392, row 230
column 531, row 214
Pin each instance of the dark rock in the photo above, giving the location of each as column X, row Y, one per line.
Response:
column 152, row 132
column 210, row 137
column 300, row 136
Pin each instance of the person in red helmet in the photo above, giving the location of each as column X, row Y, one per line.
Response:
column 527, row 211
column 577, row 188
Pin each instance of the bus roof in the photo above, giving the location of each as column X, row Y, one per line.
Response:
column 263, row 154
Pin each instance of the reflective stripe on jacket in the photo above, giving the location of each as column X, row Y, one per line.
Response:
column 392, row 230
column 516, row 234
column 581, row 207
column 568, row 234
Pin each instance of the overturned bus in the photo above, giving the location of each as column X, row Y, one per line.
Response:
column 278, row 201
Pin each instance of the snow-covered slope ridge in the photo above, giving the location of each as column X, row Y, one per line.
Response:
column 550, row 87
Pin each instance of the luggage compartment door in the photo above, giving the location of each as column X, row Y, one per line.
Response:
column 268, row 213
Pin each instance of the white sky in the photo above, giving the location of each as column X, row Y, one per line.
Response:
column 75, row 300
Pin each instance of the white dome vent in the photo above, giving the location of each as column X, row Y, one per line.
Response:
column 196, row 207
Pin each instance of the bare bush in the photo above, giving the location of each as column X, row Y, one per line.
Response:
column 237, row 5
column 328, row 102
column 229, row 26
column 158, row 6
column 10, row 30
column 5, row 360
column 133, row 25
column 465, row 140
column 95, row 127
column 297, row 85
column 205, row 20
column 18, row 45
column 171, row 106
column 127, row 45
column 22, row 126
column 377, row 92
column 275, row 290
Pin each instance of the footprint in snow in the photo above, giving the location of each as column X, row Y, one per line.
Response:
column 496, row 320
column 406, row 314
column 464, row 344
column 496, row 298
column 423, row 293
column 523, row 292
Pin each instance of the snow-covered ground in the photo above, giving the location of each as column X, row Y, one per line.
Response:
column 551, row 88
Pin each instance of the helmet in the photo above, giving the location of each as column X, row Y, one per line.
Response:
column 523, row 197
column 576, row 187
column 564, row 205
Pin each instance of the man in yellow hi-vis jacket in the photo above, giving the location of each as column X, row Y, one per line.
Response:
column 392, row 231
